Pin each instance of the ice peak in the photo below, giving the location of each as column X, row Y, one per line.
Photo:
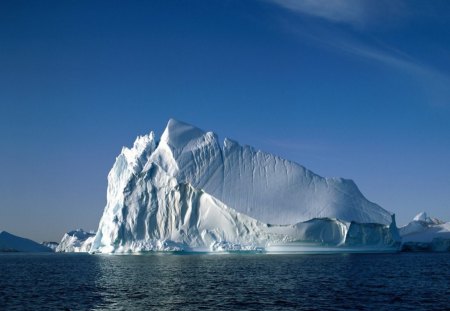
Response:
column 142, row 148
column 424, row 218
column 229, row 143
column 178, row 134
column 421, row 217
column 142, row 141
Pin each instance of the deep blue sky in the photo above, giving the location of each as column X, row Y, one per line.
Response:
column 358, row 89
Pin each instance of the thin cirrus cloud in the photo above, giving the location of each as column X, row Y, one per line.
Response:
column 360, row 14
column 434, row 84
column 356, row 13
column 353, row 12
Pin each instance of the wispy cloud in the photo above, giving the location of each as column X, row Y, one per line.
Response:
column 360, row 13
column 343, row 11
column 357, row 13
column 434, row 83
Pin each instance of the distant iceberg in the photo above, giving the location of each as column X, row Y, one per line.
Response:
column 426, row 234
column 76, row 241
column 186, row 192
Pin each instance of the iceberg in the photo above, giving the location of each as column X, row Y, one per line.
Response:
column 425, row 234
column 13, row 243
column 188, row 192
column 76, row 241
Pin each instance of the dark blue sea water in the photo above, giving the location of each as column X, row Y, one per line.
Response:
column 404, row 281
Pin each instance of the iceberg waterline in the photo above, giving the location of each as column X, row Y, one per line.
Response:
column 187, row 192
column 423, row 234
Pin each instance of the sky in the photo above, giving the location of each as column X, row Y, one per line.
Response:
column 358, row 89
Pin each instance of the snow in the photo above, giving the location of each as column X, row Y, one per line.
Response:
column 76, row 241
column 13, row 243
column 261, row 185
column 186, row 192
column 426, row 233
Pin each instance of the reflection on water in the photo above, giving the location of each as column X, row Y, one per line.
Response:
column 225, row 282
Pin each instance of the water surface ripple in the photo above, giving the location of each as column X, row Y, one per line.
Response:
column 404, row 281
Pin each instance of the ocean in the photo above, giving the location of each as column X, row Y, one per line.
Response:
column 403, row 281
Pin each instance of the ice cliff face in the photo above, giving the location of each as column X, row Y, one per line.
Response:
column 76, row 241
column 187, row 191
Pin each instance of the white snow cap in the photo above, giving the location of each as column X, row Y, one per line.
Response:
column 178, row 134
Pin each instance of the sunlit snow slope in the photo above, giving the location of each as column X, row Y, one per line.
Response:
column 261, row 185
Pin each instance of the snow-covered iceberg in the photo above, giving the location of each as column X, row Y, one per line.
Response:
column 187, row 192
column 76, row 241
column 426, row 234
column 13, row 243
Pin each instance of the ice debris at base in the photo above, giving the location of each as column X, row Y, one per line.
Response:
column 187, row 192
column 426, row 234
column 76, row 241
column 13, row 243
